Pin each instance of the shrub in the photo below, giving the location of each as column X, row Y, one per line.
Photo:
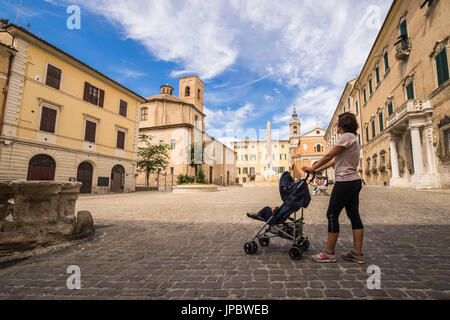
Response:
column 201, row 176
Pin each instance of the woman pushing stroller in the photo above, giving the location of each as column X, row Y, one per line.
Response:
column 345, row 158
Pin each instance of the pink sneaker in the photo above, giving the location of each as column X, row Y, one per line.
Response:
column 324, row 257
column 354, row 257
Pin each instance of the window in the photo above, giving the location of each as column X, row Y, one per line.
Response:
column 120, row 139
column 161, row 142
column 48, row 120
column 295, row 130
column 386, row 62
column 377, row 75
column 367, row 134
column 359, row 139
column 410, row 91
column 365, row 95
column 282, row 146
column 305, row 146
column 380, row 120
column 375, row 161
column 198, row 94
column 238, row 170
column 252, row 170
column 370, row 86
column 390, row 109
column 280, row 169
column 245, row 170
column 196, row 121
column 237, row 180
column 403, row 30
column 53, row 77
column 356, row 106
column 123, row 108
column 253, row 157
column 90, row 131
column 373, row 128
column 442, row 67
column 93, row 95
column 172, row 144
column 318, row 148
column 187, row 91
column 244, row 180
column 144, row 114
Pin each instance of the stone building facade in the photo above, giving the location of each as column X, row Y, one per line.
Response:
column 63, row 120
column 179, row 122
column 305, row 149
column 403, row 92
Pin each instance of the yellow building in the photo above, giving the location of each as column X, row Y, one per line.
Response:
column 252, row 158
column 404, row 90
column 179, row 122
column 63, row 120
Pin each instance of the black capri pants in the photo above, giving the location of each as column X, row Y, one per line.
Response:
column 344, row 195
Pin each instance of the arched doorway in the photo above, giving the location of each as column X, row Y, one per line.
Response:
column 117, row 179
column 84, row 175
column 41, row 167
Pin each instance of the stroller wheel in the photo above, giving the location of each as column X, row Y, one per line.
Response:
column 305, row 245
column 264, row 242
column 296, row 253
column 250, row 247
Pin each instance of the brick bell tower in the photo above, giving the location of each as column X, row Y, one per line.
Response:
column 192, row 91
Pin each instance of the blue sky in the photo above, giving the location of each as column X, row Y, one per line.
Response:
column 258, row 58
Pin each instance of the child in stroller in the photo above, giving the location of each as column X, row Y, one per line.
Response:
column 278, row 221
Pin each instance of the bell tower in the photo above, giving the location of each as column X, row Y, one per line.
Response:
column 192, row 90
column 294, row 130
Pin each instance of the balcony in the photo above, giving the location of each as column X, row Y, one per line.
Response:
column 403, row 48
column 409, row 108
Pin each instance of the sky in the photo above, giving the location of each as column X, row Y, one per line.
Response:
column 258, row 58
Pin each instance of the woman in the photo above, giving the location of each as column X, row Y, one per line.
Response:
column 345, row 158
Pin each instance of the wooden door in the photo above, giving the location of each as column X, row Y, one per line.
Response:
column 84, row 175
column 116, row 182
column 41, row 167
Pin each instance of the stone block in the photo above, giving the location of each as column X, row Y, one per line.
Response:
column 84, row 224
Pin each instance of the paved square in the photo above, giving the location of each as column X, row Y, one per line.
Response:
column 153, row 245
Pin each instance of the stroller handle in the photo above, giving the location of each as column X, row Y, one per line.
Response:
column 307, row 176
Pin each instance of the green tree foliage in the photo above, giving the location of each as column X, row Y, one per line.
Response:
column 151, row 157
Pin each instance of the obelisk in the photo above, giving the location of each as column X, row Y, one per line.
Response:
column 269, row 145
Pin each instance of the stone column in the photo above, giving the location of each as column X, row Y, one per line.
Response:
column 428, row 137
column 416, row 150
column 394, row 158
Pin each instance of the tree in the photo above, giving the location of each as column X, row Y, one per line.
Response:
column 151, row 157
column 195, row 154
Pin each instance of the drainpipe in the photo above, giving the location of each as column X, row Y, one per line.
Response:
column 8, row 76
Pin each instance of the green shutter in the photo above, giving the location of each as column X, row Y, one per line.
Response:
column 367, row 134
column 377, row 74
column 410, row 91
column 390, row 110
column 380, row 118
column 373, row 128
column 386, row 61
column 365, row 95
column 404, row 29
column 356, row 106
column 370, row 86
column 442, row 67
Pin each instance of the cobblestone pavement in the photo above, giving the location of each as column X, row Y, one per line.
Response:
column 153, row 245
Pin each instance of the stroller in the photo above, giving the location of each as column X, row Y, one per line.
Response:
column 295, row 196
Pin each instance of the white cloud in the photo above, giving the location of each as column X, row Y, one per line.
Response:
column 311, row 47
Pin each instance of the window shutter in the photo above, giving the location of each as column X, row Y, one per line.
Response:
column 410, row 91
column 48, row 120
column 53, row 77
column 123, row 108
column 101, row 98
column 386, row 62
column 404, row 29
column 86, row 96
column 91, row 128
column 120, row 140
column 442, row 67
